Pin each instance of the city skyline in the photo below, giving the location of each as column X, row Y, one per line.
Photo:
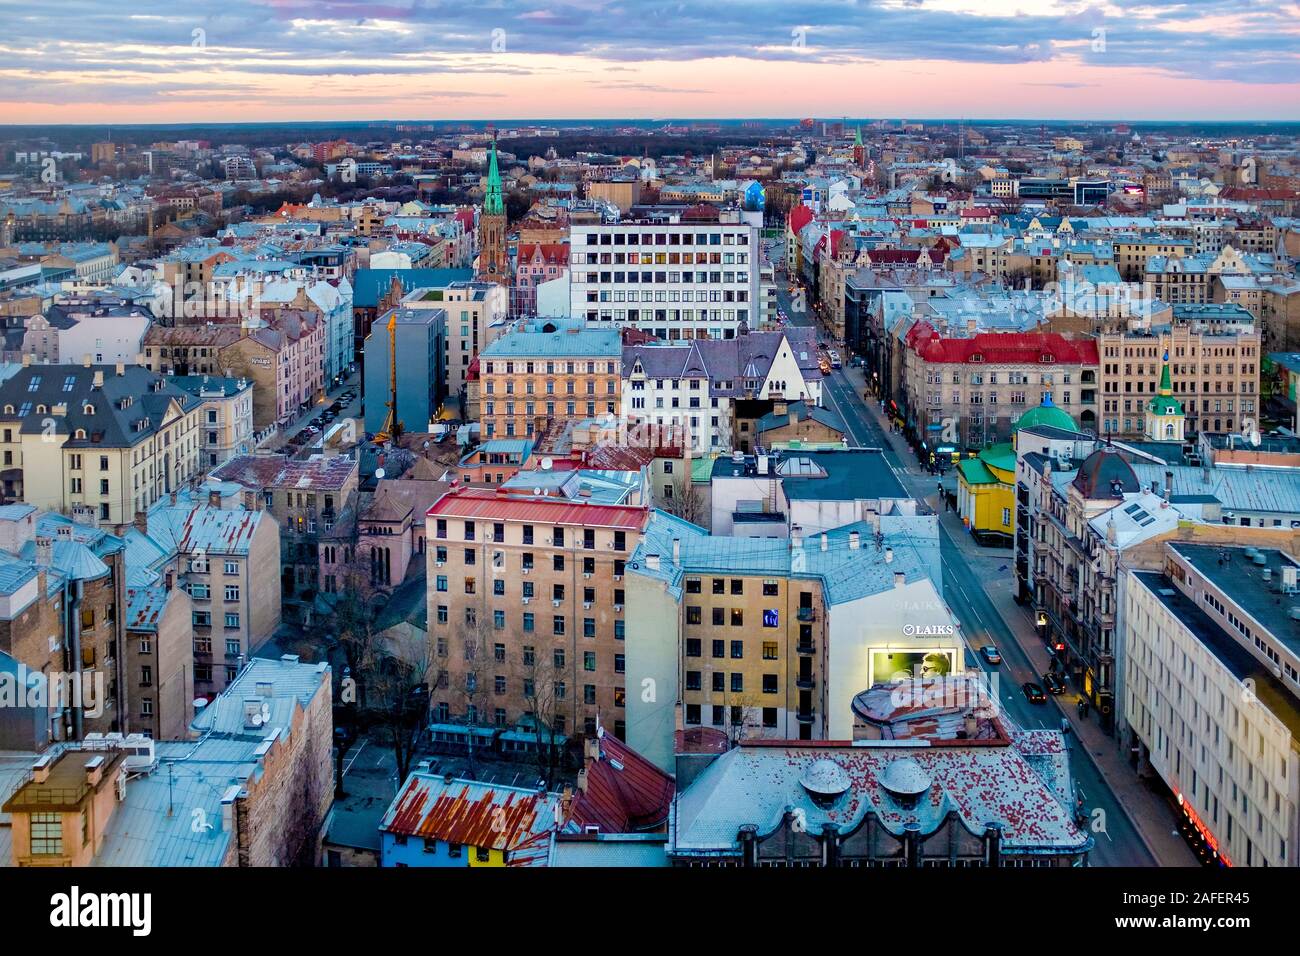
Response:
column 282, row 60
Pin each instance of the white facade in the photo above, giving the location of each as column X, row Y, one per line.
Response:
column 1224, row 746
column 674, row 280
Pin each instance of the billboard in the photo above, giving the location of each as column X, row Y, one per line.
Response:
column 889, row 665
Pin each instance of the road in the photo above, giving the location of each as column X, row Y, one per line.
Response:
column 1117, row 841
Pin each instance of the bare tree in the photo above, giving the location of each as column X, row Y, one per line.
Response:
column 398, row 696
column 467, row 683
column 743, row 716
column 545, row 691
column 685, row 501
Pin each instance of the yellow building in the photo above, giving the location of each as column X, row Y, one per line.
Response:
column 986, row 484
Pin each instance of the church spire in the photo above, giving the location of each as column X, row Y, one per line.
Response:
column 1166, row 385
column 493, row 204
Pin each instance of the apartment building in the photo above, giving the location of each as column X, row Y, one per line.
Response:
column 535, row 263
column 284, row 361
column 227, row 560
column 675, row 280
column 549, row 370
column 404, row 361
column 526, row 610
column 1214, row 375
column 967, row 392
column 476, row 315
column 744, row 638
column 305, row 497
column 225, row 415
column 259, row 779
column 109, row 439
column 1212, row 689
column 159, row 661
column 717, row 390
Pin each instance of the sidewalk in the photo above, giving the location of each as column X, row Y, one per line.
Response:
column 1147, row 810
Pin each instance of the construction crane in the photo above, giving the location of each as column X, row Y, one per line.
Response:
column 392, row 427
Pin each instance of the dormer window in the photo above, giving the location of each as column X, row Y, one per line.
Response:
column 977, row 357
column 88, row 409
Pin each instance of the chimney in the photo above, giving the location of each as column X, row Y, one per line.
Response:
column 172, row 499
column 796, row 536
column 98, row 381
column 214, row 497
column 94, row 770
column 41, row 769
column 855, row 541
column 44, row 550
column 900, row 579
column 825, row 541
column 677, row 550
column 120, row 369
column 972, row 726
column 85, row 360
column 889, row 555
column 1169, row 483
column 27, row 359
column 652, row 562
column 141, row 522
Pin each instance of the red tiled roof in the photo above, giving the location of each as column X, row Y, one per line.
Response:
column 800, row 216
column 553, row 253
column 487, row 504
column 625, row 792
column 1016, row 348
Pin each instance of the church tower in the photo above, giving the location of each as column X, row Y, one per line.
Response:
column 1165, row 420
column 859, row 151
column 493, row 262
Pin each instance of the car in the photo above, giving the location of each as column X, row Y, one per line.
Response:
column 1034, row 693
column 1053, row 683
column 991, row 655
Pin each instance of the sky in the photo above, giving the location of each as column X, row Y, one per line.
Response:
column 177, row 61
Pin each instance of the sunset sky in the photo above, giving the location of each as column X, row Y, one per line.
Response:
column 78, row 61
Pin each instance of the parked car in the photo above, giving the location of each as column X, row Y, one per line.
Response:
column 1053, row 683
column 1034, row 693
column 991, row 655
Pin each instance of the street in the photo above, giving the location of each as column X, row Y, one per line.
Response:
column 967, row 593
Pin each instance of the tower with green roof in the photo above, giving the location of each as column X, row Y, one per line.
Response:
column 1165, row 417
column 493, row 261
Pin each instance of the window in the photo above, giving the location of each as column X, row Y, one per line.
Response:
column 737, row 650
column 46, row 834
column 588, row 660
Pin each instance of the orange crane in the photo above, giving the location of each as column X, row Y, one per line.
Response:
column 392, row 427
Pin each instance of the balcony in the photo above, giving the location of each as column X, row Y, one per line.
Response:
column 806, row 648
column 805, row 682
column 806, row 614
column 806, row 716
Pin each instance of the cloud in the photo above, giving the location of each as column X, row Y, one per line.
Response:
column 162, row 46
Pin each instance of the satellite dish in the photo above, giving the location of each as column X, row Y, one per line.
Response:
column 1255, row 437
column 547, row 463
column 379, row 473
column 537, row 491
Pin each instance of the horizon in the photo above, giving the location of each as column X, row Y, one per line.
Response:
column 84, row 63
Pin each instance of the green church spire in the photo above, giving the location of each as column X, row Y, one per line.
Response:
column 1166, row 385
column 493, row 204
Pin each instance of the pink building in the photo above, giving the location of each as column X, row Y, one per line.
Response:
column 536, row 262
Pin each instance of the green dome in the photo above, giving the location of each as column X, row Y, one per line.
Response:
column 1047, row 414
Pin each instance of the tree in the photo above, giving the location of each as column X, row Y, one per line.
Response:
column 685, row 501
column 470, row 688
column 544, row 690
column 743, row 716
column 398, row 696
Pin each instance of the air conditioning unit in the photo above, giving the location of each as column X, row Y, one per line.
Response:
column 618, row 608
column 556, row 603
column 587, row 605
column 438, row 564
column 618, row 577
column 526, row 600
column 526, row 570
column 587, row 575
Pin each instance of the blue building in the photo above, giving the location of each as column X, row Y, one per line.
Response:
column 421, row 361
